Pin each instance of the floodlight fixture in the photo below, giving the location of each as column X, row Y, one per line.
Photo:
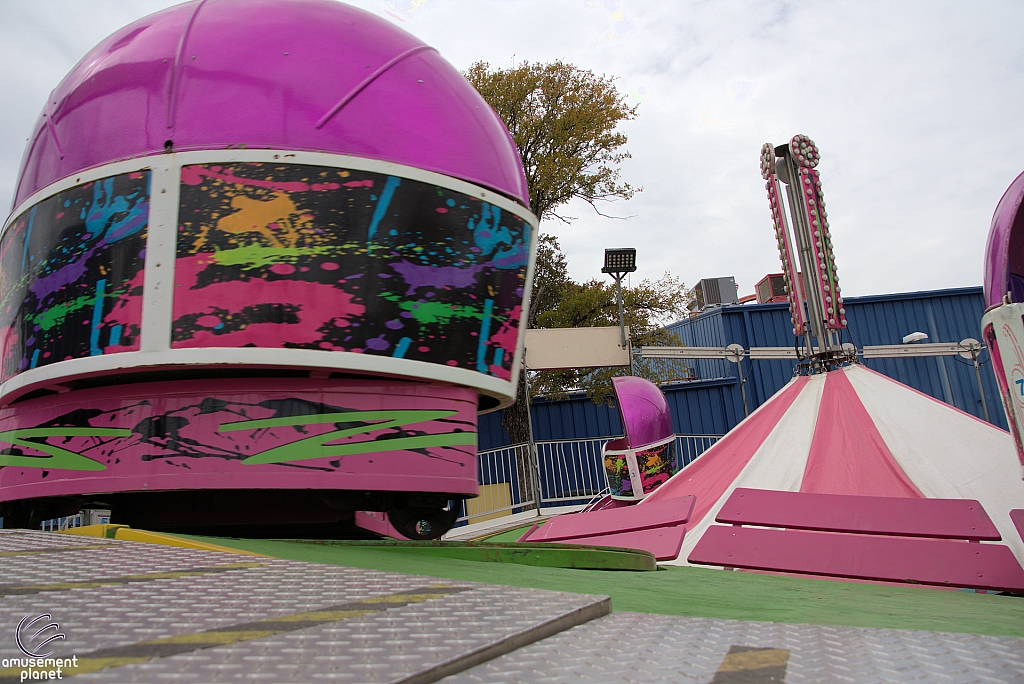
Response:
column 617, row 263
column 620, row 260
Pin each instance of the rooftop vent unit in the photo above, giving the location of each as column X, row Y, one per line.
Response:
column 711, row 292
column 771, row 288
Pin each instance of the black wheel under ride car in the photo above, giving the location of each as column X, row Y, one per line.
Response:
column 423, row 523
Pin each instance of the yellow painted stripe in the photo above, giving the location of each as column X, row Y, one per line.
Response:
column 106, row 531
column 403, row 598
column 213, row 638
column 754, row 660
column 126, row 533
column 145, row 576
column 323, row 616
column 94, row 664
column 62, row 549
column 91, row 584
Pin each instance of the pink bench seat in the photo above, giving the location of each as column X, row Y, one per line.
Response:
column 1017, row 517
column 896, row 516
column 923, row 541
column 918, row 561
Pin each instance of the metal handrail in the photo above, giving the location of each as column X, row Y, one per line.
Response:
column 497, row 467
column 569, row 472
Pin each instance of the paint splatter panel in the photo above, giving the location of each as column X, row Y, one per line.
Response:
column 213, row 434
column 71, row 273
column 656, row 465
column 310, row 257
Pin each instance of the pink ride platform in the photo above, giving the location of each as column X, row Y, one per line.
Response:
column 861, row 537
column 618, row 520
column 815, row 437
column 916, row 561
column 659, row 528
column 895, row 516
column 635, row 465
column 662, row 542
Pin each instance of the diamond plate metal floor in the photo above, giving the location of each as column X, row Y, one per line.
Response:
column 636, row 647
column 135, row 612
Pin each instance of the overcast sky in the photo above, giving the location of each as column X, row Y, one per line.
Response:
column 917, row 108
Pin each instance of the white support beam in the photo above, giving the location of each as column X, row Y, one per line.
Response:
column 773, row 353
column 890, row 351
column 766, row 353
column 685, row 353
column 893, row 351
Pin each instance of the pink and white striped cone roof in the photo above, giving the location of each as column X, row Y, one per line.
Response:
column 855, row 431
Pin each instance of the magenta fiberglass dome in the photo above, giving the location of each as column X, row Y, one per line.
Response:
column 1004, row 253
column 646, row 417
column 313, row 75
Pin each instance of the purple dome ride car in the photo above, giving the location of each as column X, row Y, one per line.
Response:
column 1002, row 326
column 645, row 457
column 266, row 263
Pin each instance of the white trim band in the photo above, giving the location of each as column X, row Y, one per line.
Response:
column 158, row 289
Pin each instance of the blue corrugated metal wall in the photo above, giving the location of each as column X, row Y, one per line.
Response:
column 712, row 404
column 945, row 315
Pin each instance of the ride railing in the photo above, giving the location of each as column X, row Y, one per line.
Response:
column 571, row 471
column 566, row 473
column 505, row 485
column 689, row 447
column 65, row 523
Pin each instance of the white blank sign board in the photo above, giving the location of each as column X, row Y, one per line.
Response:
column 557, row 348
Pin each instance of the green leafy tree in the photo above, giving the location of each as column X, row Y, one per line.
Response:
column 563, row 120
column 550, row 278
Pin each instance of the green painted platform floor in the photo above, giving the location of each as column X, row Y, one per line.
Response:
column 698, row 592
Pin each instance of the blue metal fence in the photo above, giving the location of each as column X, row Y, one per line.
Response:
column 501, row 490
column 572, row 471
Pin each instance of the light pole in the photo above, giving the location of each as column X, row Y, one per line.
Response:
column 617, row 263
